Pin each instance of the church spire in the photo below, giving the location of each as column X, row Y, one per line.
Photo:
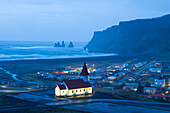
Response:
column 84, row 71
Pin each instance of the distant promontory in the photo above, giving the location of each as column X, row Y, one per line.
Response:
column 136, row 37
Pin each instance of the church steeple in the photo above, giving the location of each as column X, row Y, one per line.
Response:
column 84, row 71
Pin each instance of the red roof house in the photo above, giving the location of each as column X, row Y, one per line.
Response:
column 75, row 86
column 76, row 83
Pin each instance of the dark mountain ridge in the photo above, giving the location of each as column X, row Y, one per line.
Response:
column 136, row 37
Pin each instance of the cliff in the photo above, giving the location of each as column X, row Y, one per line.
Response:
column 136, row 37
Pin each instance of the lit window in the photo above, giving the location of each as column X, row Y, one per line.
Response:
column 166, row 91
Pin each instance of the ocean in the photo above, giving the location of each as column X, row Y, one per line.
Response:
column 29, row 50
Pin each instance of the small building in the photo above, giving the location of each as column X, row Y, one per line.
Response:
column 131, row 79
column 50, row 77
column 139, row 64
column 97, row 76
column 159, row 83
column 149, row 90
column 158, row 70
column 127, row 88
column 111, row 77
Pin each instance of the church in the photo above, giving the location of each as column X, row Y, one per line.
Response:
column 76, row 86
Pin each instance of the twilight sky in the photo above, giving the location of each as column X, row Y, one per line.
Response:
column 70, row 20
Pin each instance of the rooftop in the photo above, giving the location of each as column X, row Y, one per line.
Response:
column 76, row 83
column 61, row 87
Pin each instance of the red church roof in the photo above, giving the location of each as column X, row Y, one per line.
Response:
column 84, row 71
column 61, row 87
column 76, row 83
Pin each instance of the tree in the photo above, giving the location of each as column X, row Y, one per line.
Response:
column 159, row 90
column 140, row 89
column 147, row 84
column 123, row 84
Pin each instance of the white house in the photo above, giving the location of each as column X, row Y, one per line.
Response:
column 149, row 90
column 159, row 82
column 75, row 86
column 132, row 79
column 158, row 70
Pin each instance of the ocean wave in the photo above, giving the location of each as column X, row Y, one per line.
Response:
column 38, row 56
column 30, row 55
column 32, row 47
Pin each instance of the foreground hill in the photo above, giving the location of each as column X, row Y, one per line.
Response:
column 136, row 37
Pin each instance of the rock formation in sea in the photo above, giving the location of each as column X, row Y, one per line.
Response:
column 136, row 37
column 57, row 44
column 71, row 45
column 63, row 44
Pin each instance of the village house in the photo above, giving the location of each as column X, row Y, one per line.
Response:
column 97, row 76
column 158, row 70
column 149, row 90
column 131, row 79
column 139, row 64
column 158, row 83
column 128, row 88
column 75, row 86
column 112, row 77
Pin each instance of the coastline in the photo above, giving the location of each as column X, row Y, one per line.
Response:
column 72, row 59
column 22, row 67
column 62, row 57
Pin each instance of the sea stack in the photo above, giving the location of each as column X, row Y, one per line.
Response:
column 57, row 44
column 63, row 45
column 71, row 45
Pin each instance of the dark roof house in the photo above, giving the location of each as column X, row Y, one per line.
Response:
column 76, row 83
column 61, row 87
